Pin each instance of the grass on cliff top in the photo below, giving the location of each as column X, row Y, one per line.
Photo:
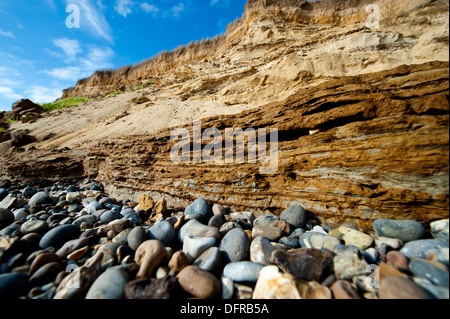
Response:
column 64, row 103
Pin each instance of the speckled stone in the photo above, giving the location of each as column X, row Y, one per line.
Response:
column 273, row 284
column 439, row 230
column 356, row 238
column 270, row 232
column 349, row 263
column 195, row 228
column 435, row 272
column 261, row 250
column 266, row 220
column 318, row 240
column 431, row 249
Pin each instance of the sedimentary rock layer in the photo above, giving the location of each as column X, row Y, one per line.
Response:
column 379, row 149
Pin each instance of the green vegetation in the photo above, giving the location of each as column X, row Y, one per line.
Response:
column 2, row 129
column 114, row 93
column 147, row 84
column 140, row 87
column 13, row 120
column 64, row 103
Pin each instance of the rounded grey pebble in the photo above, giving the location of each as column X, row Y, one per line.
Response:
column 266, row 220
column 290, row 242
column 200, row 207
column 426, row 269
column 38, row 199
column 405, row 230
column 294, row 215
column 243, row 271
column 210, row 260
column 109, row 216
column 59, row 235
column 439, row 230
column 164, row 232
column 34, row 226
column 235, row 246
column 136, row 237
column 426, row 248
column 88, row 219
column 109, row 285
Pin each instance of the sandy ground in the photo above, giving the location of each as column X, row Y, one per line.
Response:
column 84, row 125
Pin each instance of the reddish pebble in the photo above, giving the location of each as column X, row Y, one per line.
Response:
column 397, row 259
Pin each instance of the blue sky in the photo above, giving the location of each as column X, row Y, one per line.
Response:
column 40, row 55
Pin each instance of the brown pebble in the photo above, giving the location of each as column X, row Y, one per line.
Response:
column 397, row 287
column 397, row 259
column 148, row 256
column 78, row 254
column 218, row 209
column 313, row 290
column 178, row 261
column 386, row 270
column 43, row 259
column 199, row 283
column 305, row 263
column 46, row 274
column 179, row 223
column 343, row 289
column 284, row 226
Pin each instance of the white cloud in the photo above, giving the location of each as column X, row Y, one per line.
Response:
column 123, row 7
column 41, row 94
column 93, row 18
column 4, row 70
column 8, row 82
column 70, row 47
column 96, row 59
column 9, row 93
column 65, row 73
column 7, row 34
column 149, row 8
column 176, row 10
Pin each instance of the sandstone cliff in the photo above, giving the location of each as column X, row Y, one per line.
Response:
column 362, row 114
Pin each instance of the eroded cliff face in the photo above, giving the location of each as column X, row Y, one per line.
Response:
column 280, row 46
column 362, row 116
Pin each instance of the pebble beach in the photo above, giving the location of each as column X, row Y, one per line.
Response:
column 74, row 241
